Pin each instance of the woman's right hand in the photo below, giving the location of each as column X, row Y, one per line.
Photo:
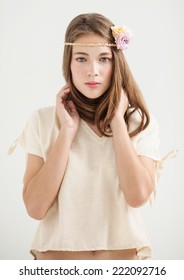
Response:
column 67, row 112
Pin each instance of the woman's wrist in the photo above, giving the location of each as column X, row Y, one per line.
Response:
column 117, row 123
column 66, row 134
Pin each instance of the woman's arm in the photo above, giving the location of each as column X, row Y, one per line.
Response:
column 42, row 180
column 136, row 173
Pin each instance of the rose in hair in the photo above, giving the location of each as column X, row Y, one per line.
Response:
column 122, row 36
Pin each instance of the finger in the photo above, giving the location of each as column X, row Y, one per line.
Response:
column 71, row 107
column 63, row 91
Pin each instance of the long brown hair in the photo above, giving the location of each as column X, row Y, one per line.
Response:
column 101, row 110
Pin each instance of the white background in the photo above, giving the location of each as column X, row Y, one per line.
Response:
column 31, row 46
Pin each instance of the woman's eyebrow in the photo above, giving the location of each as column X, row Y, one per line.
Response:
column 100, row 54
column 81, row 53
column 106, row 53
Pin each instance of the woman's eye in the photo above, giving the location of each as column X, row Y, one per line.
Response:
column 81, row 59
column 105, row 59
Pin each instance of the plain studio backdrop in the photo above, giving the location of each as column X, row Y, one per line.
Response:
column 31, row 47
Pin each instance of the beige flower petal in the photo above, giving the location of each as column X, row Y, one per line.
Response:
column 117, row 30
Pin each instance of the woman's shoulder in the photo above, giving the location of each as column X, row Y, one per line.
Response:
column 43, row 115
column 46, row 112
column 136, row 118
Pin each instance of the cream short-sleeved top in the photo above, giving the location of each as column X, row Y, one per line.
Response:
column 90, row 212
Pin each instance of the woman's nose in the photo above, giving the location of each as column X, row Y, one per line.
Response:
column 93, row 70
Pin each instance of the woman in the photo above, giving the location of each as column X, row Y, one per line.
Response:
column 91, row 158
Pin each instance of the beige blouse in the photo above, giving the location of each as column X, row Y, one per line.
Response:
column 90, row 212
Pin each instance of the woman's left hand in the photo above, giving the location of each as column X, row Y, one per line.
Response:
column 122, row 107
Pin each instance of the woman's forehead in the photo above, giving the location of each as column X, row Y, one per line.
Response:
column 95, row 51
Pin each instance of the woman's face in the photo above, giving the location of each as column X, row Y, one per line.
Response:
column 91, row 67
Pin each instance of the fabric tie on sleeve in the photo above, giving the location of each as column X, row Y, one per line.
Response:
column 159, row 168
column 160, row 164
column 12, row 147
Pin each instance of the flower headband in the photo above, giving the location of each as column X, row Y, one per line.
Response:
column 121, row 35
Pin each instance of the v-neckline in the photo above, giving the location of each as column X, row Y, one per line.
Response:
column 91, row 132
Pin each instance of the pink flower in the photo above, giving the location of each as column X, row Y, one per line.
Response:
column 122, row 36
column 123, row 41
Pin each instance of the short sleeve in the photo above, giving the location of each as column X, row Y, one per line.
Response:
column 147, row 141
column 30, row 138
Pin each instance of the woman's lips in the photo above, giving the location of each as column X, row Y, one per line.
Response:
column 92, row 84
